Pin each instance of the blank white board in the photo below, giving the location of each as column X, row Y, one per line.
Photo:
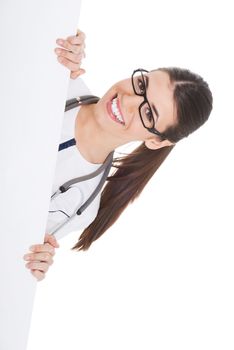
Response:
column 32, row 95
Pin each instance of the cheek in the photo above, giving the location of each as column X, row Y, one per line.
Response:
column 136, row 128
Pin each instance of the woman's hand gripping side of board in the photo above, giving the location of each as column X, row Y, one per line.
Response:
column 40, row 257
column 71, row 53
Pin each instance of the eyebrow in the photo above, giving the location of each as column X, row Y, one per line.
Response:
column 153, row 106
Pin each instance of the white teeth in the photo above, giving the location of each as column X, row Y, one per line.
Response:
column 115, row 110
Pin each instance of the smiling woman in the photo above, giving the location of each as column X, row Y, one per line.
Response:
column 159, row 277
column 158, row 108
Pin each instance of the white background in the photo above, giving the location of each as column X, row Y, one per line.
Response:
column 162, row 276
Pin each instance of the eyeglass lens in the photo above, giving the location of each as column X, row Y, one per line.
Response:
column 139, row 82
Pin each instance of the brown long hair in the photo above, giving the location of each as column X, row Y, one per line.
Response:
column 193, row 101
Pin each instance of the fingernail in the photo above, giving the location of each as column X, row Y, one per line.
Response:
column 60, row 42
column 26, row 257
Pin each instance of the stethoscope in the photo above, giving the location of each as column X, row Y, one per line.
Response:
column 105, row 168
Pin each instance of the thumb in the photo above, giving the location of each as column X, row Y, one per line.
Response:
column 76, row 74
column 82, row 71
column 51, row 239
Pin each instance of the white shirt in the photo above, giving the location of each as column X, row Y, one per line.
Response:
column 71, row 164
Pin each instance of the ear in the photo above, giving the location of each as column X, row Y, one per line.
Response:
column 154, row 143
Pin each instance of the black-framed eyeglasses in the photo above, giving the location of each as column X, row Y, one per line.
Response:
column 145, row 111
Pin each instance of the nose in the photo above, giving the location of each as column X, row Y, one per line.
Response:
column 132, row 103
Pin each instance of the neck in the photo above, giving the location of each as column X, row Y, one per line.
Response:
column 93, row 143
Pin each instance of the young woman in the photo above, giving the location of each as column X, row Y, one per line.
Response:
column 158, row 108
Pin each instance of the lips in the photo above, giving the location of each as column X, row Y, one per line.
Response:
column 110, row 111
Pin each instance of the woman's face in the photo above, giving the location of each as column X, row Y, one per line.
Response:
column 117, row 112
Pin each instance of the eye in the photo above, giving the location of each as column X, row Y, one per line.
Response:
column 141, row 85
column 149, row 114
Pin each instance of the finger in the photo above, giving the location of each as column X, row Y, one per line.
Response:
column 38, row 274
column 81, row 35
column 70, row 65
column 79, row 32
column 37, row 248
column 37, row 265
column 70, row 47
column 76, row 40
column 75, row 49
column 74, row 57
column 45, row 257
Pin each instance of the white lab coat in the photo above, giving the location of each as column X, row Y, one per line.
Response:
column 71, row 164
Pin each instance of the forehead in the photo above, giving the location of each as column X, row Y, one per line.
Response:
column 160, row 93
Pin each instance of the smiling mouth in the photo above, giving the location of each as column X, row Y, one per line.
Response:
column 114, row 111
